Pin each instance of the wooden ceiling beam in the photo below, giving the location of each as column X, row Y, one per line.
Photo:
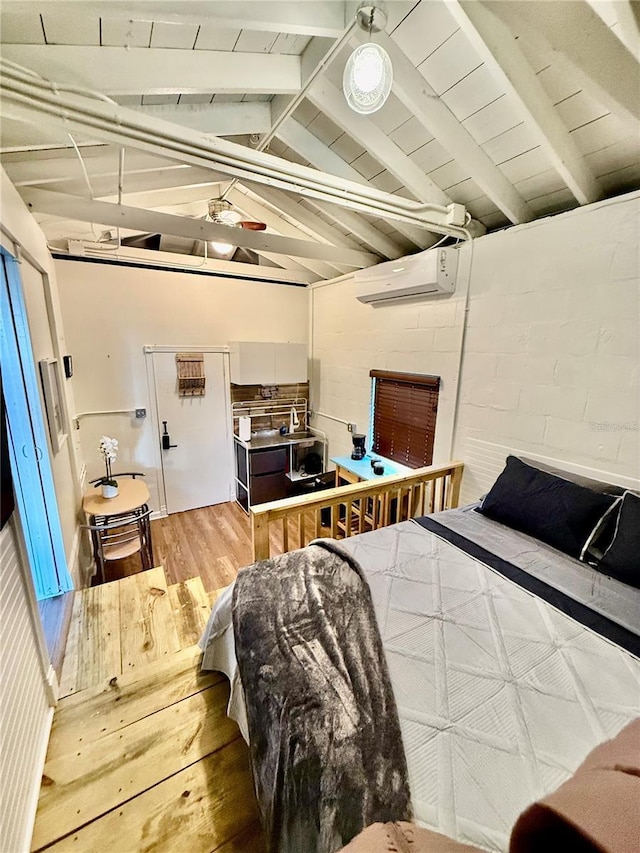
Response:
column 130, row 71
column 435, row 116
column 301, row 140
column 311, row 18
column 286, row 203
column 598, row 59
column 219, row 119
column 495, row 44
column 331, row 101
column 107, row 213
column 252, row 209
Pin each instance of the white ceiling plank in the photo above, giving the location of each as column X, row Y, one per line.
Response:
column 421, row 33
column 252, row 209
column 362, row 229
column 312, row 17
column 451, row 62
column 316, row 152
column 106, row 213
column 597, row 57
column 118, row 71
column 139, row 191
column 290, row 43
column 172, row 36
column 292, row 266
column 492, row 39
column 19, row 28
column 56, row 168
column 422, row 101
column 219, row 119
column 252, row 41
column 61, row 29
column 119, row 33
column 324, row 158
column 289, row 206
column 328, row 99
column 628, row 28
column 213, row 37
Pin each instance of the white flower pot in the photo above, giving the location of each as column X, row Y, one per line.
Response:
column 109, row 491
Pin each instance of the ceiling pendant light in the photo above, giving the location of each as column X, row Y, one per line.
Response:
column 368, row 74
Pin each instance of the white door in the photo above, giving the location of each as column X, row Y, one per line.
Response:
column 197, row 470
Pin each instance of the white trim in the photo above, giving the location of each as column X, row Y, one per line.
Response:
column 151, row 348
column 73, row 563
column 32, row 805
column 155, row 425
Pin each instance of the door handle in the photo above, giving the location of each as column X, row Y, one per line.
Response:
column 166, row 438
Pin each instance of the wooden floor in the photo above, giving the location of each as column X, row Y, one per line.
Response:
column 142, row 756
column 211, row 543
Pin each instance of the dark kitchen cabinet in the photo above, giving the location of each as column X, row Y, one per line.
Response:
column 261, row 475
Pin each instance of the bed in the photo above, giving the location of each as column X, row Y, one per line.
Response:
column 509, row 661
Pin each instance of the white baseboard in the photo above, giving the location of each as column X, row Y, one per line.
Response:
column 34, row 796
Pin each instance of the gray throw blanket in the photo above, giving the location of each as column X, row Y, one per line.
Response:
column 326, row 750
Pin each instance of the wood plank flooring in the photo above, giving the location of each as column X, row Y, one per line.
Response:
column 122, row 625
column 142, row 756
column 211, row 543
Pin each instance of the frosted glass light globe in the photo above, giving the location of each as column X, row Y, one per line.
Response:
column 367, row 78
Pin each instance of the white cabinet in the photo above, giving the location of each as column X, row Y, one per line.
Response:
column 291, row 363
column 266, row 363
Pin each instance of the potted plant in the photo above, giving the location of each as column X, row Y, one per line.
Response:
column 109, row 449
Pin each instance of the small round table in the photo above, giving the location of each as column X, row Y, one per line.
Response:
column 120, row 526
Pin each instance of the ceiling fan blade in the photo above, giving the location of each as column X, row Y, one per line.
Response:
column 252, row 226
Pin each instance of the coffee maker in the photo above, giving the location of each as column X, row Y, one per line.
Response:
column 359, row 450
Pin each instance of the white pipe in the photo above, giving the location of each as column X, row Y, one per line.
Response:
column 81, row 415
column 31, row 98
column 331, row 418
column 297, row 99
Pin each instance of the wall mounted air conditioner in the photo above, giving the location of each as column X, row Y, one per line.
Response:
column 425, row 274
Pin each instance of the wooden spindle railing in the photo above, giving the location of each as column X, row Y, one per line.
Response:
column 352, row 509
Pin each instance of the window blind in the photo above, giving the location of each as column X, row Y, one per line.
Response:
column 405, row 407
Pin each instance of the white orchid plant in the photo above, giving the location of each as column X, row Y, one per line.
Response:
column 109, row 449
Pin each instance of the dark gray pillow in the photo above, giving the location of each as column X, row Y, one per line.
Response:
column 621, row 560
column 556, row 511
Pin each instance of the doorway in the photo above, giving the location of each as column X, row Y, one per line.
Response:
column 196, row 468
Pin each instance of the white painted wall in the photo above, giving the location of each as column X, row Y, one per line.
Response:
column 25, row 696
column 111, row 313
column 551, row 358
column 349, row 339
column 550, row 350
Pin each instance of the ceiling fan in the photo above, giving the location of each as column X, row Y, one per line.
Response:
column 221, row 211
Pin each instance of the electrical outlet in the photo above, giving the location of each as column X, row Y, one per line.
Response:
column 350, row 427
column 141, row 413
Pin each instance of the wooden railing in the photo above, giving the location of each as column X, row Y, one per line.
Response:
column 356, row 508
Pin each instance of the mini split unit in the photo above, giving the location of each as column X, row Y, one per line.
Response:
column 426, row 274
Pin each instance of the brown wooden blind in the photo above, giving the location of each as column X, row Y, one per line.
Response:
column 404, row 416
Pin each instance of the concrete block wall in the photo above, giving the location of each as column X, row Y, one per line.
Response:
column 348, row 339
column 551, row 356
column 550, row 361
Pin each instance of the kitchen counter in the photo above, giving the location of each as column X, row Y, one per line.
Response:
column 260, row 442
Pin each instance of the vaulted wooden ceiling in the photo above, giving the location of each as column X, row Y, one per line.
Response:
column 515, row 110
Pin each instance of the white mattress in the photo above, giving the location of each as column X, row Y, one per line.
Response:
column 500, row 696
